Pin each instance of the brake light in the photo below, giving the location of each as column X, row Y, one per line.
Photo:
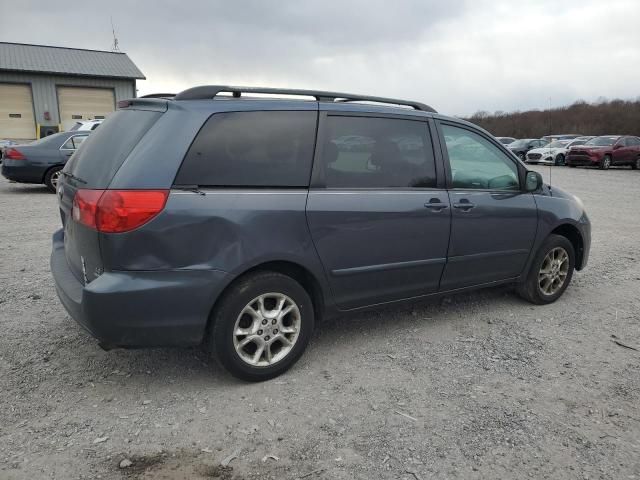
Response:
column 117, row 211
column 13, row 154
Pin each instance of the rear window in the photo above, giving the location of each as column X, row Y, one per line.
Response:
column 252, row 149
column 107, row 148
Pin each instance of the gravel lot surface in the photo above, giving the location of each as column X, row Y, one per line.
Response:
column 471, row 386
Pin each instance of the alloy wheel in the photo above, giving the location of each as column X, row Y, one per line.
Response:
column 54, row 179
column 267, row 329
column 553, row 272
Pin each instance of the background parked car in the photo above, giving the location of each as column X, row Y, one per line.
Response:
column 561, row 136
column 555, row 152
column 506, row 140
column 4, row 144
column 41, row 161
column 606, row 151
column 521, row 147
column 86, row 125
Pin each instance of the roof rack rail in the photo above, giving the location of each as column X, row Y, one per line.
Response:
column 158, row 95
column 210, row 91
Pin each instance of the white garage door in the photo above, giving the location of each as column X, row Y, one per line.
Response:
column 78, row 103
column 16, row 112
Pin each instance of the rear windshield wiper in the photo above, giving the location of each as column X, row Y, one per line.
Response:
column 71, row 175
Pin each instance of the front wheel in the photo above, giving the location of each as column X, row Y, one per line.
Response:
column 636, row 164
column 550, row 272
column 261, row 326
column 560, row 160
column 605, row 163
column 521, row 156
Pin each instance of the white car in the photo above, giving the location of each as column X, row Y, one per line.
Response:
column 86, row 125
column 555, row 152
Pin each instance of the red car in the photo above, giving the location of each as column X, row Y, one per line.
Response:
column 606, row 151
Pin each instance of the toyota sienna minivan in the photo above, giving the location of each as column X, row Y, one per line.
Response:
column 226, row 217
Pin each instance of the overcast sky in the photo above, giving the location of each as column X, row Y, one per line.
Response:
column 460, row 56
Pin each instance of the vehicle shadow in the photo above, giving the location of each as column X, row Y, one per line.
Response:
column 26, row 189
column 196, row 369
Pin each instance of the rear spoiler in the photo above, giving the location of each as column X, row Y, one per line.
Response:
column 151, row 104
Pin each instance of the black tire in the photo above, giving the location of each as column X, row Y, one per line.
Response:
column 572, row 166
column 228, row 311
column 605, row 163
column 530, row 289
column 636, row 165
column 559, row 160
column 521, row 156
column 51, row 178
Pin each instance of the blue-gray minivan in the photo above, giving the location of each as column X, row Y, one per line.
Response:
column 237, row 217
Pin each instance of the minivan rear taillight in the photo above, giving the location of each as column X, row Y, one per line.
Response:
column 13, row 154
column 117, row 211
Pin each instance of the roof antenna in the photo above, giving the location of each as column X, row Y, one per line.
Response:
column 114, row 47
column 550, row 165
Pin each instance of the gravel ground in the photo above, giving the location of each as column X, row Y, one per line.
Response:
column 471, row 386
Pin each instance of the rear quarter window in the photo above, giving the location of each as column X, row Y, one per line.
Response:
column 252, row 149
column 106, row 149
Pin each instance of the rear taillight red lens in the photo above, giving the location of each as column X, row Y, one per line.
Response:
column 117, row 211
column 85, row 207
column 13, row 154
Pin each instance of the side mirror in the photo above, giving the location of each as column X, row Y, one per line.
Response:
column 533, row 181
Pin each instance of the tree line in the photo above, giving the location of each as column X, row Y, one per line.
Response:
column 600, row 118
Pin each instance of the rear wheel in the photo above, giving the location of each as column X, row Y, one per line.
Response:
column 605, row 163
column 261, row 326
column 51, row 178
column 550, row 272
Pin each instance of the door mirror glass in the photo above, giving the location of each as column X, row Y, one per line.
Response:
column 533, row 181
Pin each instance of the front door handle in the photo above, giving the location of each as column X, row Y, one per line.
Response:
column 436, row 205
column 464, row 205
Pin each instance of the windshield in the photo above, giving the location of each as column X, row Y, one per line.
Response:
column 557, row 144
column 519, row 143
column 602, row 141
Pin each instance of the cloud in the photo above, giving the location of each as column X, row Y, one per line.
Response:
column 460, row 56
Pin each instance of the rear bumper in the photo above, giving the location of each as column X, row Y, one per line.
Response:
column 22, row 173
column 138, row 309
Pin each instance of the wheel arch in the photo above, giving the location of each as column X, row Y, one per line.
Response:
column 299, row 273
column 571, row 233
column 46, row 172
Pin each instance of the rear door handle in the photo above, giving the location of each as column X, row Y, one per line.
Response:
column 436, row 205
column 464, row 205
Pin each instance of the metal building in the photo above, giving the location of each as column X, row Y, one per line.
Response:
column 47, row 89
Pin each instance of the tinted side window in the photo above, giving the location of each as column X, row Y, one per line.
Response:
column 476, row 163
column 270, row 148
column 365, row 152
column 633, row 141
